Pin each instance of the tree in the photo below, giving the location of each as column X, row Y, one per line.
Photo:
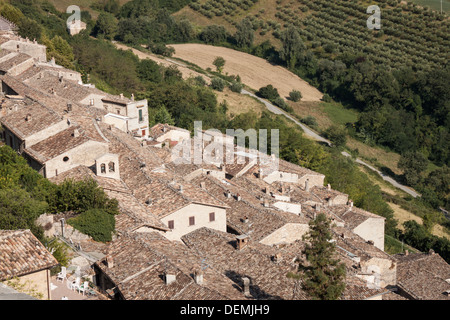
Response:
column 244, row 33
column 293, row 48
column 214, row 34
column 413, row 164
column 217, row 83
column 163, row 116
column 295, row 95
column 219, row 62
column 336, row 135
column 324, row 278
column 106, row 25
column 268, row 92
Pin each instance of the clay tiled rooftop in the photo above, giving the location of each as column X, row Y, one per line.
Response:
column 57, row 144
column 21, row 253
column 140, row 262
column 30, row 119
column 423, row 276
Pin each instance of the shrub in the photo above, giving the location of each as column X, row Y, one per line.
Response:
column 236, row 86
column 95, row 223
column 295, row 95
column 282, row 104
column 217, row 84
column 268, row 92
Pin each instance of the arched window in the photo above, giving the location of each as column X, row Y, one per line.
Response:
column 111, row 166
column 103, row 168
column 65, row 159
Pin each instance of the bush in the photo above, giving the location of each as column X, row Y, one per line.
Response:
column 236, row 86
column 295, row 95
column 337, row 135
column 95, row 223
column 268, row 92
column 217, row 84
column 282, row 104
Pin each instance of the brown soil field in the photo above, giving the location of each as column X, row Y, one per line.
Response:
column 255, row 72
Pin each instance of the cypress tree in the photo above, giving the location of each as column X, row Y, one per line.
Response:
column 323, row 278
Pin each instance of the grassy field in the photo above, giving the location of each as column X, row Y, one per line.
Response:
column 434, row 4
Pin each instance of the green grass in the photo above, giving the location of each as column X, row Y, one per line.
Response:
column 338, row 114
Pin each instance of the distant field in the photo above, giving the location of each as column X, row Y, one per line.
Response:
column 434, row 4
column 254, row 72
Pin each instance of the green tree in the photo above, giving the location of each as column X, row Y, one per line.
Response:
column 295, row 95
column 336, row 135
column 219, row 62
column 106, row 26
column 217, row 83
column 163, row 116
column 244, row 33
column 324, row 277
column 293, row 49
column 413, row 164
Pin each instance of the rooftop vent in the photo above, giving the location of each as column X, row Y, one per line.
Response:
column 170, row 277
column 307, row 187
column 198, row 276
column 28, row 117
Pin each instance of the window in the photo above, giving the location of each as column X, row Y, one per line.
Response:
column 143, row 133
column 171, row 224
column 65, row 159
column 212, row 216
column 141, row 117
column 191, row 221
column 111, row 166
column 103, row 168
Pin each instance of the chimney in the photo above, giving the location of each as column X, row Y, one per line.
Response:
column 266, row 203
column 406, row 252
column 330, row 201
column 180, row 188
column 228, row 194
column 170, row 277
column 431, row 251
column 317, row 207
column 109, row 261
column 307, row 185
column 198, row 276
column 245, row 220
column 370, row 242
column 132, row 97
column 69, row 107
column 28, row 117
column 242, row 241
column 76, row 133
column 260, row 173
column 203, row 185
column 277, row 257
column 246, row 282
column 238, row 197
column 350, row 204
column 121, row 96
column 329, row 187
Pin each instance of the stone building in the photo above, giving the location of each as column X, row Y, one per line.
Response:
column 24, row 258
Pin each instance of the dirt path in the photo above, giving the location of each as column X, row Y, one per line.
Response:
column 255, row 72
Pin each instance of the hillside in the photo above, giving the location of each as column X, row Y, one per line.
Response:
column 409, row 36
column 254, row 72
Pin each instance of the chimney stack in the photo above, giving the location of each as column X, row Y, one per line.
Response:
column 246, row 282
column 109, row 261
column 307, row 185
column 28, row 117
column 203, row 185
column 198, row 276
column 76, row 133
column 170, row 277
column 329, row 187
column 242, row 241
column 228, row 194
column 238, row 197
